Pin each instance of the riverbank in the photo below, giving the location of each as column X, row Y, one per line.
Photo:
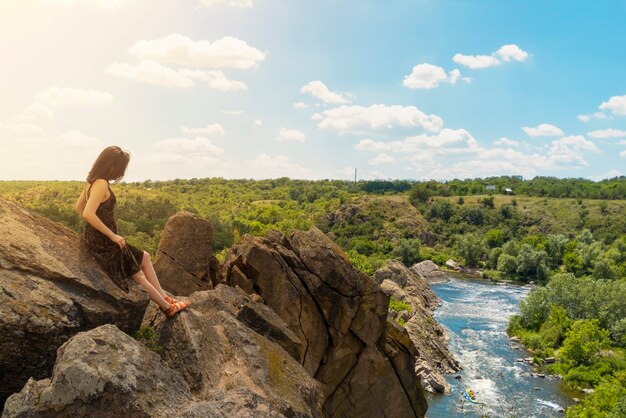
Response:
column 475, row 313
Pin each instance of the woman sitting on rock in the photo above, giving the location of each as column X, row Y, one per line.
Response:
column 117, row 258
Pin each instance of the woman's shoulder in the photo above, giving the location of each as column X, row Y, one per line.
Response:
column 103, row 183
column 97, row 184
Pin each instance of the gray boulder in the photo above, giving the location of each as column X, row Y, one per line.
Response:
column 103, row 373
column 184, row 260
column 430, row 272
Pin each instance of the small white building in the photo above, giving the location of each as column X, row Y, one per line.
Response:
column 491, row 187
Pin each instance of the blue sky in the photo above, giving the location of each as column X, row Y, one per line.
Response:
column 264, row 89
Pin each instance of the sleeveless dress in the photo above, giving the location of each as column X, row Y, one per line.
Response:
column 118, row 263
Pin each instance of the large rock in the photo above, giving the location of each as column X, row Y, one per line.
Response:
column 430, row 271
column 103, row 373
column 50, row 289
column 433, row 358
column 246, row 363
column 184, row 259
column 337, row 312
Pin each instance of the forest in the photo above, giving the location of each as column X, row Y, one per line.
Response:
column 566, row 235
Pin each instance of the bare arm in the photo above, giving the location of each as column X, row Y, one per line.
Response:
column 80, row 204
column 98, row 191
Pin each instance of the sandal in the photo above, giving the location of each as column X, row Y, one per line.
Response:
column 175, row 308
column 170, row 300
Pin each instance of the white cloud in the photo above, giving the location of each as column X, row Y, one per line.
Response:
column 381, row 159
column 616, row 104
column 588, row 117
column 607, row 133
column 228, row 52
column 196, row 146
column 543, row 129
column 356, row 119
column 155, row 73
column 623, row 153
column 210, row 130
column 570, row 150
column 21, row 131
column 300, row 105
column 292, row 135
column 216, row 80
column 506, row 142
column 505, row 53
column 319, row 90
column 476, row 62
column 37, row 111
column 446, row 141
column 608, row 175
column 258, row 122
column 152, row 73
column 233, row 112
column 428, row 76
column 511, row 52
column 371, row 145
column 235, row 3
column 76, row 139
column 57, row 96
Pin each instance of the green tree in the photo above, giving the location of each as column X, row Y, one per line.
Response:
column 507, row 264
column 494, row 238
column 407, row 250
column 471, row 249
column 531, row 263
column 441, row 209
column 419, row 194
column 583, row 342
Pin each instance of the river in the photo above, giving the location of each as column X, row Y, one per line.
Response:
column 475, row 313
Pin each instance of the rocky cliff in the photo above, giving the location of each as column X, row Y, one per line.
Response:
column 338, row 313
column 433, row 359
column 50, row 289
column 289, row 328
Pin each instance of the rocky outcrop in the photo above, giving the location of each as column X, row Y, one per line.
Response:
column 103, row 373
column 430, row 272
column 339, row 315
column 231, row 349
column 292, row 330
column 50, row 289
column 106, row 373
column 433, row 359
column 184, row 260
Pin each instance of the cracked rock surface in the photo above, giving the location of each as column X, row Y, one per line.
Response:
column 184, row 261
column 340, row 316
column 429, row 337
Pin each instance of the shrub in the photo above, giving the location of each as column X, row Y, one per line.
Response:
column 407, row 250
column 494, row 238
column 398, row 305
column 583, row 342
column 148, row 336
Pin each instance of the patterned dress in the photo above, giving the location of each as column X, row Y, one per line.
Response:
column 118, row 263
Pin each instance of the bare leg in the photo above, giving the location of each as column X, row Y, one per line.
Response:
column 148, row 270
column 154, row 294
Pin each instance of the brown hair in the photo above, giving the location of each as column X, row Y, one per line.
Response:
column 110, row 165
